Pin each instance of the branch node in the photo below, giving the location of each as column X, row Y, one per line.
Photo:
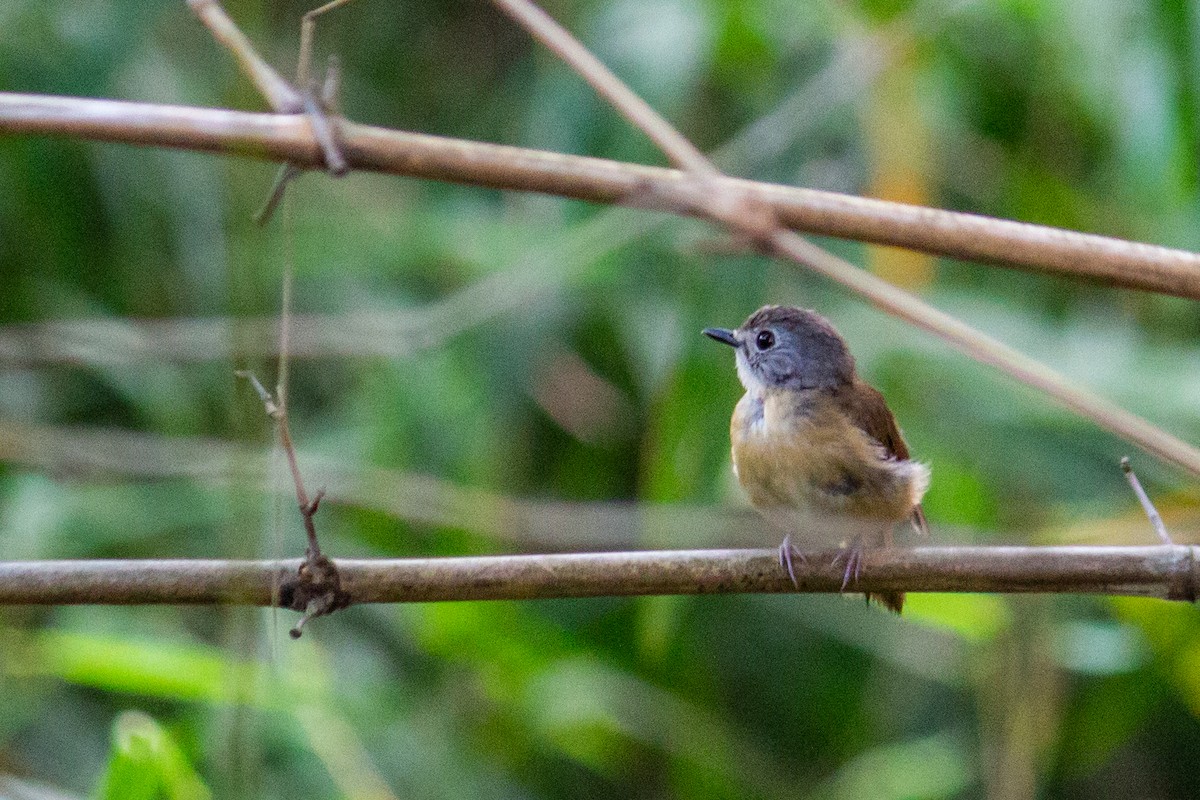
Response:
column 316, row 590
column 269, row 405
column 325, row 132
column 315, row 504
column 749, row 216
column 281, row 95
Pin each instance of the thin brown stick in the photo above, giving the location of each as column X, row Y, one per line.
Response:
column 308, row 30
column 1168, row 572
column 283, row 138
column 315, row 587
column 278, row 93
column 546, row 30
column 276, row 411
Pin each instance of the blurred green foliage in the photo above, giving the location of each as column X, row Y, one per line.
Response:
column 544, row 375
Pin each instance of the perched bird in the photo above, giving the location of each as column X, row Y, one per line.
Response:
column 812, row 441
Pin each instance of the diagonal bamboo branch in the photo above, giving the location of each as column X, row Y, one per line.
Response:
column 743, row 213
column 1167, row 572
column 283, row 138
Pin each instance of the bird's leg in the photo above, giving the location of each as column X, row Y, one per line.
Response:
column 786, row 553
column 852, row 554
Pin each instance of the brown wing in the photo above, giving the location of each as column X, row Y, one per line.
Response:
column 865, row 406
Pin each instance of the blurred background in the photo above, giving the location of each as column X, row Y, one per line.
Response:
column 481, row 372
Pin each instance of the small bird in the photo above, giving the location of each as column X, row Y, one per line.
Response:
column 812, row 440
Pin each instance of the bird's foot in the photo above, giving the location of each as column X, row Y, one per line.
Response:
column 786, row 554
column 852, row 554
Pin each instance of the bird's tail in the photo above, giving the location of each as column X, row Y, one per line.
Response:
column 893, row 601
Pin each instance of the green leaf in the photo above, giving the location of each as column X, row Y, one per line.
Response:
column 974, row 617
column 146, row 763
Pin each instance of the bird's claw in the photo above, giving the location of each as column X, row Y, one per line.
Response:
column 853, row 556
column 786, row 554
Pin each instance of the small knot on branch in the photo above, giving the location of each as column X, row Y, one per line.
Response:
column 1184, row 580
column 324, row 127
column 316, row 590
column 312, row 507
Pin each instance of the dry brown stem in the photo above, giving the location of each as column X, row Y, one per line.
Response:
column 283, row 138
column 1168, row 572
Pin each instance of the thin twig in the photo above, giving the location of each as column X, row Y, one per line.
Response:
column 326, row 135
column 1155, row 518
column 316, row 586
column 278, row 93
column 276, row 410
column 546, row 30
column 1165, row 572
column 283, row 138
column 287, row 173
column 308, row 30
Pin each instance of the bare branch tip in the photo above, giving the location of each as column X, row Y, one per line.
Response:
column 1152, row 514
column 272, row 408
column 288, row 173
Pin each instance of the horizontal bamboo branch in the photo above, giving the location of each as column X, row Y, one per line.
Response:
column 1168, row 572
column 288, row 138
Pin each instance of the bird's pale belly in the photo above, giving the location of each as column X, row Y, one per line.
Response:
column 812, row 459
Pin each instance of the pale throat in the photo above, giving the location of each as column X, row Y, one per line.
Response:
column 751, row 382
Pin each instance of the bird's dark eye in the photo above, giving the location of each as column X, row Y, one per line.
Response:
column 765, row 340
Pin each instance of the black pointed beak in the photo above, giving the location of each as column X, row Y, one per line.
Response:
column 722, row 335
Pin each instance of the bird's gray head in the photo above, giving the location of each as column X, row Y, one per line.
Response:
column 787, row 348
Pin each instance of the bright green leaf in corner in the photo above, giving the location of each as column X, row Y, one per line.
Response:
column 974, row 617
column 146, row 763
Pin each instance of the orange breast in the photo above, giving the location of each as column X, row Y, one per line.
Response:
column 802, row 453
